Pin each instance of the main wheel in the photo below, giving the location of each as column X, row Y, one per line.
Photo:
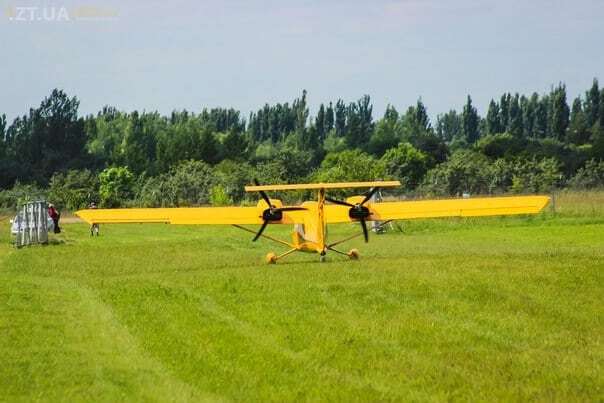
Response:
column 271, row 258
column 322, row 258
column 353, row 254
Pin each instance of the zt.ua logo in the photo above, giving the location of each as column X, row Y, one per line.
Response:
column 30, row 14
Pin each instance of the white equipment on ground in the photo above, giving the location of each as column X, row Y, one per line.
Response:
column 31, row 224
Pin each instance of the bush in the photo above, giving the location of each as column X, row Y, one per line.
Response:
column 465, row 172
column 74, row 189
column 471, row 172
column 19, row 193
column 116, row 186
column 536, row 176
column 188, row 184
column 405, row 163
column 350, row 166
column 500, row 145
column 590, row 176
column 233, row 176
column 191, row 182
column 219, row 196
column 157, row 192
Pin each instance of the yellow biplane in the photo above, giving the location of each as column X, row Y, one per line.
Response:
column 310, row 219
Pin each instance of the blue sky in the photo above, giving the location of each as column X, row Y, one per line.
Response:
column 165, row 55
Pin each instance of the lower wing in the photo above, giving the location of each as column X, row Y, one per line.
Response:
column 187, row 215
column 487, row 206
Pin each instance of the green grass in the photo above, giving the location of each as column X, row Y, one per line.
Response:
column 477, row 309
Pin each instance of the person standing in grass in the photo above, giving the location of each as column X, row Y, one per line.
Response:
column 94, row 228
column 55, row 216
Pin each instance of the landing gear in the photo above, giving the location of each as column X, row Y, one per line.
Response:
column 353, row 254
column 271, row 258
column 322, row 258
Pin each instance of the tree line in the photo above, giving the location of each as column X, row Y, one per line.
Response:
column 523, row 144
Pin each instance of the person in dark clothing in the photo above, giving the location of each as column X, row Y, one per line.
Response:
column 56, row 216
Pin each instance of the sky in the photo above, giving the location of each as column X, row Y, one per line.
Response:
column 167, row 55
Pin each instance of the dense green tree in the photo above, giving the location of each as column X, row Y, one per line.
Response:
column 50, row 139
column 448, row 126
column 528, row 107
column 359, row 123
column 540, row 123
column 504, row 110
column 320, row 123
column 405, row 163
column 280, row 144
column 2, row 132
column 597, row 141
column 433, row 146
column 391, row 114
column 234, row 145
column 6, row 171
column 140, row 142
column 501, row 145
column 415, row 122
column 301, row 113
column 602, row 108
column 515, row 127
column 578, row 129
column 387, row 133
column 340, row 118
column 559, row 113
column 334, row 143
column 222, row 120
column 191, row 139
column 106, row 133
column 592, row 104
column 329, row 119
column 470, row 120
column 493, row 119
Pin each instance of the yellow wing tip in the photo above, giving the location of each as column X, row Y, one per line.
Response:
column 544, row 201
column 82, row 214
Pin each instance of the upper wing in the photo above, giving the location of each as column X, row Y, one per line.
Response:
column 488, row 206
column 188, row 215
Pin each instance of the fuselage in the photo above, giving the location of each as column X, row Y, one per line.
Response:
column 311, row 236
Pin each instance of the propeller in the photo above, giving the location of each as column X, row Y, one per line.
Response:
column 358, row 211
column 272, row 213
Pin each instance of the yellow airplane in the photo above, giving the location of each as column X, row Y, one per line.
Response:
column 310, row 219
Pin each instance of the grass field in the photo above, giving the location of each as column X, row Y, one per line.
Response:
column 466, row 309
